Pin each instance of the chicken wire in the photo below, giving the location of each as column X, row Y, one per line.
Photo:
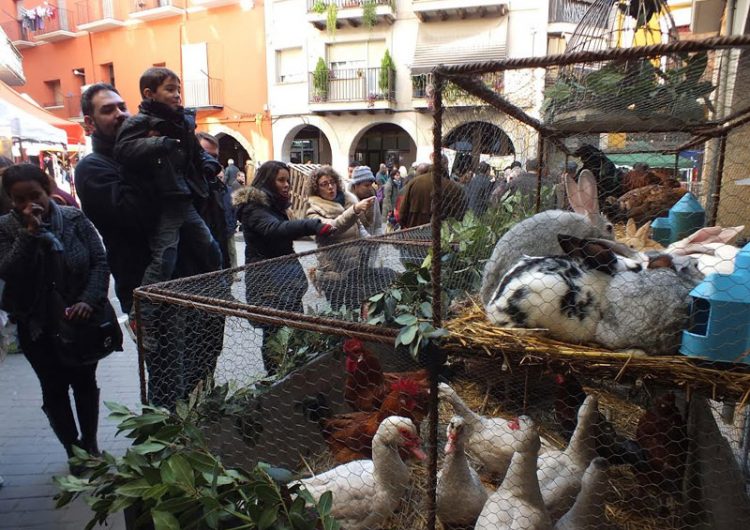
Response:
column 261, row 347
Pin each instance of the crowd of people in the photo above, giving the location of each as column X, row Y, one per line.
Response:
column 157, row 205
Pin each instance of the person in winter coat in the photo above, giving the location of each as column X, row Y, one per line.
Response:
column 328, row 202
column 362, row 188
column 391, row 189
column 416, row 205
column 479, row 189
column 54, row 268
column 269, row 233
column 160, row 152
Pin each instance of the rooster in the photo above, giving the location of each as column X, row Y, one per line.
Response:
column 349, row 436
column 366, row 384
column 662, row 433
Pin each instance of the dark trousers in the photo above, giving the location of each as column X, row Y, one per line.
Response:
column 55, row 379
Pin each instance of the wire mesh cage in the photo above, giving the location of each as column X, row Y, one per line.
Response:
column 562, row 368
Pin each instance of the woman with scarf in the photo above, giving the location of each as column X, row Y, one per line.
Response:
column 55, row 270
column 269, row 233
column 337, row 270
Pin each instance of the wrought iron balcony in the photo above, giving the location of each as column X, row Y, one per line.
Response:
column 352, row 12
column 156, row 9
column 18, row 34
column 11, row 63
column 203, row 94
column 353, row 89
column 60, row 27
column 568, row 11
column 100, row 15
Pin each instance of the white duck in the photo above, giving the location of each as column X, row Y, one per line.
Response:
column 518, row 504
column 460, row 493
column 489, row 439
column 588, row 511
column 367, row 492
column 560, row 472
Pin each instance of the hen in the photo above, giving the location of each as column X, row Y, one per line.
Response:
column 367, row 492
column 649, row 202
column 349, row 436
column 367, row 385
column 662, row 434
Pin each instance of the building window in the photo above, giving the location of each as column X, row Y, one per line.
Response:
column 290, row 65
column 54, row 94
column 108, row 73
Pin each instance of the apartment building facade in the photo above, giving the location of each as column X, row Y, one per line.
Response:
column 332, row 99
column 216, row 46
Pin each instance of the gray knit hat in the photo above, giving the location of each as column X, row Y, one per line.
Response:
column 362, row 174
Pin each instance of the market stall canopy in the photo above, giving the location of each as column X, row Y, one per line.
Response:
column 24, row 110
column 655, row 160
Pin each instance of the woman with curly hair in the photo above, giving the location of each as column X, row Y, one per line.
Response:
column 328, row 202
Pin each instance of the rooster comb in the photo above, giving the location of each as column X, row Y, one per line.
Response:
column 353, row 346
column 407, row 386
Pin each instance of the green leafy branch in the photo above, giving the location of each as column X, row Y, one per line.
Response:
column 174, row 482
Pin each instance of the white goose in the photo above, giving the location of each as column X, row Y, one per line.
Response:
column 517, row 504
column 560, row 472
column 588, row 511
column 489, row 439
column 367, row 492
column 460, row 493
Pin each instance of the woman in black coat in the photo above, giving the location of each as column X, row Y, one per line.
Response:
column 54, row 268
column 269, row 233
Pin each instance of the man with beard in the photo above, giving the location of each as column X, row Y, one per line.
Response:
column 115, row 207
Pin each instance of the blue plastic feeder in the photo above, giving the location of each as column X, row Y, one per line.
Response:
column 685, row 217
column 661, row 231
column 720, row 315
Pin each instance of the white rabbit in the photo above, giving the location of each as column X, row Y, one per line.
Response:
column 537, row 235
column 564, row 294
column 648, row 310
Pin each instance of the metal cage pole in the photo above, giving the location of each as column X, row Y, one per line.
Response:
column 715, row 195
column 437, row 290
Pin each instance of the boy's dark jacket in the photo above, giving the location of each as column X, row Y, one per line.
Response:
column 161, row 164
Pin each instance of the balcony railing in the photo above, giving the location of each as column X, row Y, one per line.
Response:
column 139, row 6
column 421, row 86
column 89, row 11
column 319, row 6
column 15, row 31
column 203, row 93
column 11, row 63
column 63, row 21
column 568, row 11
column 354, row 84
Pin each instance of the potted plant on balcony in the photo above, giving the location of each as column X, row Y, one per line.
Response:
column 369, row 14
column 319, row 7
column 332, row 19
column 387, row 68
column 320, row 81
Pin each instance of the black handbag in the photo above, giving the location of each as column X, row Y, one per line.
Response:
column 82, row 342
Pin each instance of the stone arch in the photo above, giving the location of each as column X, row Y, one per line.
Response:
column 294, row 128
column 218, row 130
column 384, row 141
column 470, row 139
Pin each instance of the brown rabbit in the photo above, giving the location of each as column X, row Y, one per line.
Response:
column 638, row 238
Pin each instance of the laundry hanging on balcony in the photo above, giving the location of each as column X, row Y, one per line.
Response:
column 34, row 19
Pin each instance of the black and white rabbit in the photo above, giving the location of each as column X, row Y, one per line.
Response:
column 537, row 235
column 564, row 294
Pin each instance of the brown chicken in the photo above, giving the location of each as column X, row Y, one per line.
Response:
column 366, row 384
column 662, row 435
column 349, row 436
column 649, row 202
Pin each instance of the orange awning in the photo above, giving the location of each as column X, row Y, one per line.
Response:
column 74, row 131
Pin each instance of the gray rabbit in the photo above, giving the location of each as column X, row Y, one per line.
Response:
column 537, row 235
column 648, row 310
